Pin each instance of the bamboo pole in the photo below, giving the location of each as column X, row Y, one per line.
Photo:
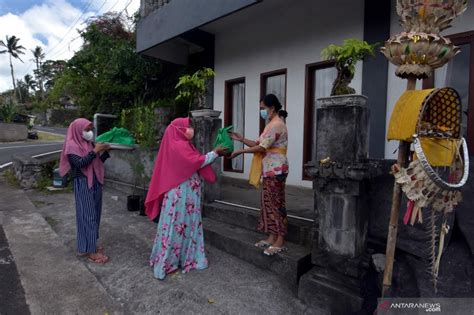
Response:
column 403, row 151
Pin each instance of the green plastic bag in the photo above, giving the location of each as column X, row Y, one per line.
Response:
column 223, row 139
column 117, row 136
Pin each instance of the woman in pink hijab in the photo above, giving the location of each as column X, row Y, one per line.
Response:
column 85, row 163
column 174, row 197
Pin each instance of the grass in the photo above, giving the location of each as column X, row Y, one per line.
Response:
column 46, row 136
column 46, row 179
column 9, row 175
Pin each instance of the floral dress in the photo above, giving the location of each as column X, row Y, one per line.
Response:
column 273, row 215
column 275, row 135
column 179, row 241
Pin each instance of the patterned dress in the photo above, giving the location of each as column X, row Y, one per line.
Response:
column 273, row 216
column 179, row 241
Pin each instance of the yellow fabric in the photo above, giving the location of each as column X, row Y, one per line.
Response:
column 405, row 115
column 439, row 152
column 257, row 166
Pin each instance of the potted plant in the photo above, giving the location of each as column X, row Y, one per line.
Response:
column 192, row 90
column 133, row 200
column 346, row 57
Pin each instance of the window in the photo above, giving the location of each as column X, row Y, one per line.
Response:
column 234, row 114
column 273, row 83
column 319, row 80
column 458, row 73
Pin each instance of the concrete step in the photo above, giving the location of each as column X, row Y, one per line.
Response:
column 55, row 281
column 299, row 200
column 239, row 242
column 300, row 231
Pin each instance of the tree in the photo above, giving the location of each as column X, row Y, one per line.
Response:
column 23, row 93
column 39, row 56
column 107, row 75
column 50, row 70
column 14, row 50
column 30, row 83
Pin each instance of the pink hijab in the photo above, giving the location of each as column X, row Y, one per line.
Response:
column 177, row 161
column 75, row 144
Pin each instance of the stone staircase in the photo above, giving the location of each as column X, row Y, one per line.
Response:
column 232, row 228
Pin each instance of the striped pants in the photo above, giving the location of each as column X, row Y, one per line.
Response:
column 88, row 212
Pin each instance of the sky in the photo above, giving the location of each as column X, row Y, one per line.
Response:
column 51, row 24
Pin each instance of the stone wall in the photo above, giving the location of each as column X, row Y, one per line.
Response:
column 130, row 168
column 13, row 132
column 28, row 170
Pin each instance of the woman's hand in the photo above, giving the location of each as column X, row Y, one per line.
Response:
column 101, row 147
column 235, row 154
column 221, row 151
column 235, row 136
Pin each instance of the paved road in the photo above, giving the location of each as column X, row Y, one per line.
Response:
column 57, row 130
column 7, row 150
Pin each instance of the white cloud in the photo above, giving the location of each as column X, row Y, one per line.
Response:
column 50, row 21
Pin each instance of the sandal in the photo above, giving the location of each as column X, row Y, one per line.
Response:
column 99, row 259
column 262, row 244
column 273, row 250
column 100, row 250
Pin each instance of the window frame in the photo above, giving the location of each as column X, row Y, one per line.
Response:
column 228, row 116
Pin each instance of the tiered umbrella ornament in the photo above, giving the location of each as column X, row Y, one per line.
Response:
column 430, row 121
column 420, row 49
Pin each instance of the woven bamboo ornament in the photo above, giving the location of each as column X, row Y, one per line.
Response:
column 427, row 119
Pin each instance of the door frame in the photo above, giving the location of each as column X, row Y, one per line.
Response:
column 309, row 112
column 263, row 90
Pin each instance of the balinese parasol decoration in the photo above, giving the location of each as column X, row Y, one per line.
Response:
column 434, row 116
column 420, row 49
column 429, row 16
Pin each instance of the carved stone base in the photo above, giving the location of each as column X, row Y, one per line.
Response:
column 328, row 292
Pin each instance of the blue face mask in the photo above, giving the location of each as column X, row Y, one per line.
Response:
column 264, row 114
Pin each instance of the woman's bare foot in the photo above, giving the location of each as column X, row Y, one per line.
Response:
column 98, row 258
column 279, row 242
column 271, row 239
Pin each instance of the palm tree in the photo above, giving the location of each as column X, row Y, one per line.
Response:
column 39, row 57
column 30, row 82
column 14, row 50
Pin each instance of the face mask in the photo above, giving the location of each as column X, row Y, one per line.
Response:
column 88, row 135
column 264, row 114
column 189, row 133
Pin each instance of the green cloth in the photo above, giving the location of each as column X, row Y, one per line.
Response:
column 223, row 139
column 117, row 136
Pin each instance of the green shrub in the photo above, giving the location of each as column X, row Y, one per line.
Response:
column 7, row 112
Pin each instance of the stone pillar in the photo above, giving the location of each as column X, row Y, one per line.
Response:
column 27, row 171
column 206, row 124
column 339, row 174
